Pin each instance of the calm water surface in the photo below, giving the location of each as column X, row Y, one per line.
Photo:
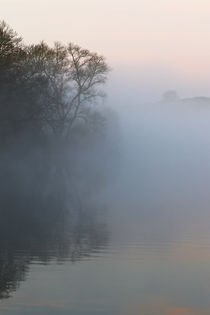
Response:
column 149, row 254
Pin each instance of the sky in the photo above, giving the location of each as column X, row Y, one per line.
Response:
column 149, row 44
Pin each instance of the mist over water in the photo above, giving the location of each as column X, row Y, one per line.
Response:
column 126, row 232
column 104, row 203
column 104, row 177
column 164, row 181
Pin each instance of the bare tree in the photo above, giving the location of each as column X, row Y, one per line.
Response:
column 75, row 76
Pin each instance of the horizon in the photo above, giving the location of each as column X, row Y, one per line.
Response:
column 153, row 46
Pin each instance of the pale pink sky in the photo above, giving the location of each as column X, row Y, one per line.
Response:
column 169, row 34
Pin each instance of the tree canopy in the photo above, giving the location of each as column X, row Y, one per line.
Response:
column 47, row 88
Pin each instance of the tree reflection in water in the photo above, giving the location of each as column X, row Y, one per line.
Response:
column 56, row 236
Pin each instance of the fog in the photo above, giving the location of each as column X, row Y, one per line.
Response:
column 163, row 185
column 104, row 200
column 133, row 207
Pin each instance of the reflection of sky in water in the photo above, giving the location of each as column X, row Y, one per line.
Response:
column 158, row 258
column 121, row 281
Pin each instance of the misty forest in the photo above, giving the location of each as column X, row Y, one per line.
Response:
column 52, row 126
